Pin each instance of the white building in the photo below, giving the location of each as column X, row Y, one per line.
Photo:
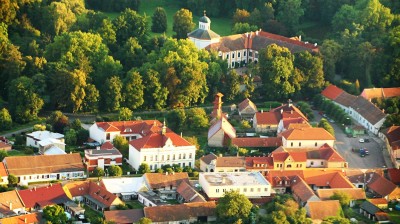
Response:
column 306, row 138
column 251, row 184
column 125, row 187
column 203, row 36
column 161, row 148
column 44, row 140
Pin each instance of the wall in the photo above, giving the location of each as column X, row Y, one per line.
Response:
column 306, row 143
column 25, row 179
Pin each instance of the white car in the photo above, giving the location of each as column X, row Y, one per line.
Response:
column 361, row 140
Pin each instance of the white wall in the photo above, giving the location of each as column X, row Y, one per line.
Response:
column 306, row 143
column 99, row 135
column 25, row 179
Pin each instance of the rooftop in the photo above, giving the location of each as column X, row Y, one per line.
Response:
column 42, row 135
column 124, row 216
column 235, row 178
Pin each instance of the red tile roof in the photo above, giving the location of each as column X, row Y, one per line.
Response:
column 208, row 158
column 267, row 118
column 245, row 103
column 158, row 140
column 257, row 142
column 307, row 134
column 9, row 201
column 223, row 124
column 332, row 92
column 43, row 196
column 354, row 193
column 380, row 185
column 367, row 110
column 181, row 212
column 5, row 146
column 301, row 189
column 394, row 175
column 160, row 180
column 102, row 195
column 332, row 179
column 257, row 162
column 3, row 171
column 230, row 161
column 378, row 201
column 125, row 127
column 107, row 146
column 124, row 216
column 23, row 219
column 380, row 93
column 76, row 188
column 188, row 193
column 393, row 136
column 289, row 111
column 297, row 122
column 319, row 210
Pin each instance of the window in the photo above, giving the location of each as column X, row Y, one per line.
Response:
column 184, row 156
column 180, row 156
column 223, row 190
column 238, row 54
column 155, row 166
column 144, row 158
column 183, row 164
column 173, row 157
column 289, row 166
column 233, row 64
column 265, row 189
column 256, row 55
column 151, row 158
column 217, row 190
column 156, row 158
column 108, row 136
column 244, row 189
column 299, row 143
column 190, row 155
column 259, row 189
column 162, row 158
column 251, row 54
column 251, row 189
column 190, row 164
column 227, row 56
column 151, row 167
column 291, row 144
column 322, row 163
column 312, row 163
column 244, row 53
column 168, row 157
column 233, row 55
column 316, row 144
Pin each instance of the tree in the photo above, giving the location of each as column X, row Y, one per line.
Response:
column 130, row 24
column 155, row 94
column 375, row 17
column 331, row 53
column 76, row 124
column 344, row 198
column 241, row 16
column 70, row 137
column 344, row 18
column 176, row 119
column 233, row 206
column 3, row 154
column 133, row 90
column 295, row 10
column 58, row 121
column 112, row 94
column 122, row 144
column 131, row 54
column 5, row 120
column 82, row 136
column 125, row 114
column 323, row 123
column 336, row 220
column 197, row 118
column 59, row 18
column 98, row 172
column 159, row 21
column 24, row 103
column 90, row 102
column 311, row 69
column 243, row 28
column 231, row 85
column 8, row 11
column 55, row 214
column 144, row 168
column 144, row 220
column 114, row 171
column 182, row 23
column 12, row 180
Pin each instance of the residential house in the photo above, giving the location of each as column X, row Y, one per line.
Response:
column 382, row 187
column 203, row 36
column 254, row 142
column 206, row 160
column 124, row 216
column 187, row 194
column 161, row 148
column 125, row 188
column 93, row 195
column 373, row 213
column 354, row 194
column 259, row 164
column 11, row 204
column 3, row 174
column 6, row 146
column 45, row 140
column 221, row 133
column 182, row 213
column 37, row 198
column 379, row 202
column 102, row 157
column 302, row 192
column 247, row 109
column 284, row 160
column 394, row 175
column 292, row 123
column 165, row 184
column 380, row 93
column 391, row 136
column 320, row 210
column 225, row 164
column 251, row 184
column 45, row 167
column 306, row 138
column 339, row 97
column 31, row 218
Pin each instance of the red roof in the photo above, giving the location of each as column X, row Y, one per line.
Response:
column 3, row 172
column 101, row 194
column 332, row 92
column 296, row 120
column 257, row 142
column 43, row 196
column 264, row 162
column 380, row 185
column 307, row 134
column 245, row 103
column 393, row 137
column 394, row 175
column 107, row 146
column 158, row 140
column 23, row 219
column 267, row 118
column 126, row 127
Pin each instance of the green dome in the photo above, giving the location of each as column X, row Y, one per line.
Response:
column 205, row 19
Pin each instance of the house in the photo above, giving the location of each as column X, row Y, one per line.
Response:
column 292, row 123
column 45, row 167
column 203, row 36
column 44, row 140
column 372, row 212
column 124, row 216
column 379, row 202
column 206, row 160
column 254, row 142
column 102, row 158
column 394, row 175
column 339, row 97
column 187, row 194
column 247, row 109
column 391, row 136
column 93, row 195
column 3, row 174
column 161, row 148
column 320, row 210
column 221, row 133
column 224, row 164
column 31, row 218
column 251, row 184
column 11, row 204
column 354, row 194
column 259, row 164
column 165, row 184
column 306, row 138
column 302, row 192
column 37, row 198
column 125, row 188
column 182, row 213
column 5, row 146
column 382, row 187
column 380, row 93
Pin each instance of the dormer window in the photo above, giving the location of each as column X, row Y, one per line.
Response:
column 128, row 130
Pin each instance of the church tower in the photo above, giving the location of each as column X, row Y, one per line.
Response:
column 203, row 36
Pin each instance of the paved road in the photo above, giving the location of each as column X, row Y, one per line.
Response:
column 344, row 144
column 9, row 134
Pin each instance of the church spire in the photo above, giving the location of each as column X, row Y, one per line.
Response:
column 164, row 128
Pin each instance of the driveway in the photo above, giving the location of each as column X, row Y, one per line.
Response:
column 344, row 144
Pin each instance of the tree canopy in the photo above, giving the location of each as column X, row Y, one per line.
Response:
column 232, row 207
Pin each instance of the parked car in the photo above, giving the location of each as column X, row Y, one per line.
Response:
column 361, row 140
column 366, row 139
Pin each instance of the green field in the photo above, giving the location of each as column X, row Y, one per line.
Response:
column 222, row 26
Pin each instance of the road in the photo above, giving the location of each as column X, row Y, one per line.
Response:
column 344, row 144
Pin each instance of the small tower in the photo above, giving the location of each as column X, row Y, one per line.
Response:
column 217, row 110
column 203, row 35
column 164, row 128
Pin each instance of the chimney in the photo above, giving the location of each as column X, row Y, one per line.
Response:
column 10, row 206
column 166, row 173
column 281, row 111
column 315, row 44
column 257, row 33
column 34, row 188
column 262, row 111
column 25, row 220
column 97, row 147
column 223, row 180
column 291, row 111
column 247, row 34
column 51, row 184
column 299, row 37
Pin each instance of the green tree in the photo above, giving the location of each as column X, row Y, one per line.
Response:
column 155, row 94
column 176, row 119
column 375, row 17
column 112, row 94
column 344, row 198
column 39, row 127
column 331, row 53
column 3, row 154
column 55, row 214
column 233, row 206
column 114, row 171
column 336, row 220
column 295, row 10
column 323, row 123
column 24, row 103
column 5, row 120
column 98, row 172
column 159, row 21
column 311, row 68
column 82, row 136
column 133, row 90
column 196, row 118
column 131, row 54
column 58, row 121
column 70, row 137
column 12, row 180
column 144, row 168
column 8, row 11
column 145, row 220
column 243, row 28
column 130, row 24
column 59, row 18
column 125, row 114
column 344, row 18
column 182, row 23
column 241, row 16
column 92, row 97
column 122, row 144
column 231, row 86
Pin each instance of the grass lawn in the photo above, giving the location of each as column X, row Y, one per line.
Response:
column 92, row 214
column 16, row 153
column 394, row 216
column 17, row 127
column 222, row 26
column 134, row 204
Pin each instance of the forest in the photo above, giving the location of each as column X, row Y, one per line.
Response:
column 71, row 55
